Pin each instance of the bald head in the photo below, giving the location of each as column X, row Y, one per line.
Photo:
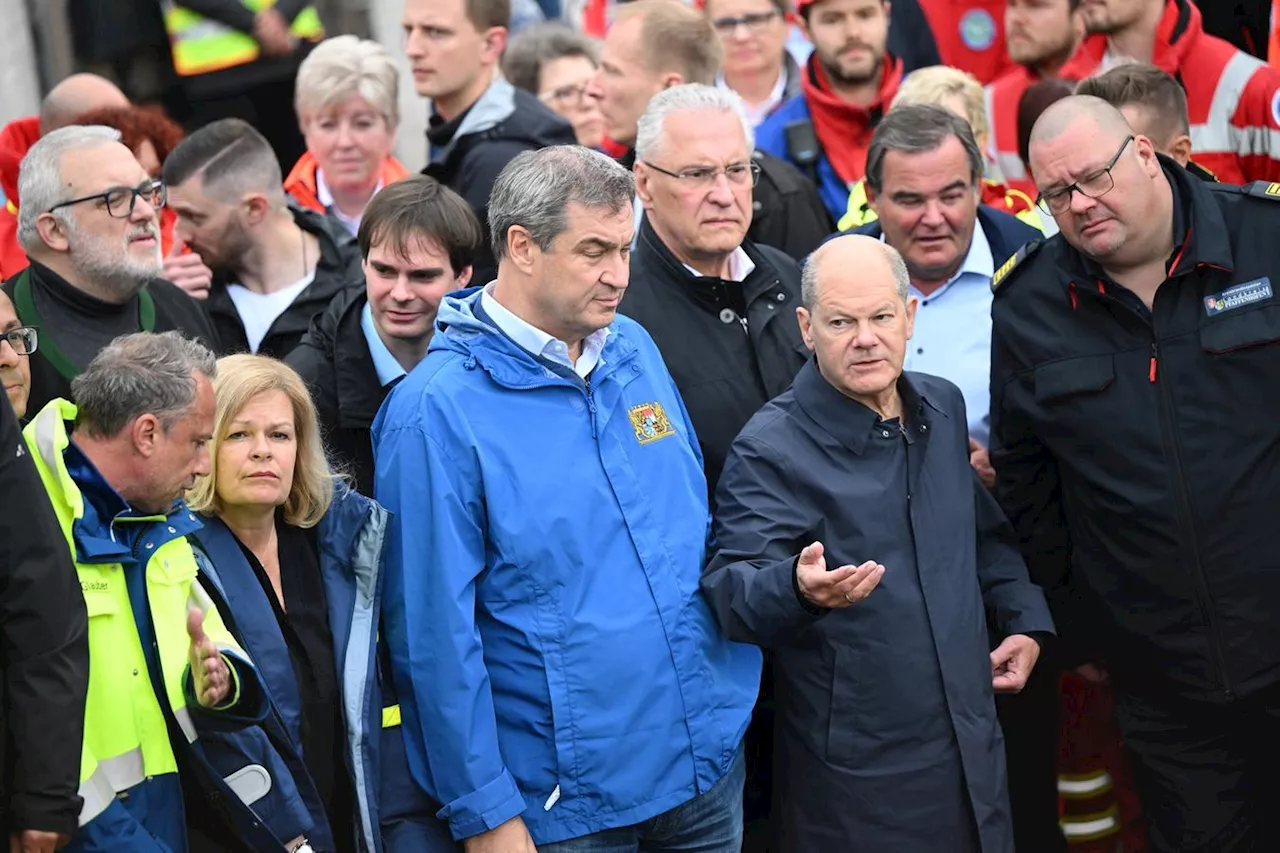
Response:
column 1069, row 112
column 872, row 259
column 75, row 96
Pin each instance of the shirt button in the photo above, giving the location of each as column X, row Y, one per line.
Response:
column 727, row 316
column 171, row 530
column 781, row 297
column 920, row 351
column 135, row 672
column 924, row 427
column 885, row 433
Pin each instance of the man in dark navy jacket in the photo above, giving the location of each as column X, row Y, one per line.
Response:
column 855, row 540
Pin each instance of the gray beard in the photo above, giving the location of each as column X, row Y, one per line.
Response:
column 111, row 268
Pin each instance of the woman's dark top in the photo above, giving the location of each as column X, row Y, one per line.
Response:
column 304, row 622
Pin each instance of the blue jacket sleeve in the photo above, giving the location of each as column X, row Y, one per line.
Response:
column 435, row 554
column 760, row 531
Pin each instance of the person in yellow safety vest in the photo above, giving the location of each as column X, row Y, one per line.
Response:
column 239, row 58
column 163, row 667
column 961, row 93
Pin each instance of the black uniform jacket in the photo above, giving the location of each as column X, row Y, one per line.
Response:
column 337, row 270
column 1138, row 453
column 334, row 360
column 887, row 737
column 159, row 306
column 44, row 652
column 724, row 372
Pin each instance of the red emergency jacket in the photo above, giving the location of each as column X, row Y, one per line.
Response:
column 1002, row 97
column 301, row 184
column 15, row 139
column 970, row 35
column 1233, row 99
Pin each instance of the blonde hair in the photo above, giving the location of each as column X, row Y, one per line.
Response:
column 344, row 67
column 937, row 83
column 241, row 378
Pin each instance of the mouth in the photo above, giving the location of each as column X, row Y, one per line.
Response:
column 403, row 316
column 263, row 475
column 1093, row 227
column 142, row 240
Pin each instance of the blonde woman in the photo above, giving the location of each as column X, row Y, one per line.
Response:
column 346, row 102
column 298, row 558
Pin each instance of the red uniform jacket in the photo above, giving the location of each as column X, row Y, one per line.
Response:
column 970, row 35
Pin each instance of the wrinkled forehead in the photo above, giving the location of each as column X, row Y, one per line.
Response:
column 85, row 171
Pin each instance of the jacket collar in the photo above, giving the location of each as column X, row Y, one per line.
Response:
column 844, row 418
column 650, row 248
column 1177, row 35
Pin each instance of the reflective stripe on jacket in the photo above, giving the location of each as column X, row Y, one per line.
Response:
column 201, row 45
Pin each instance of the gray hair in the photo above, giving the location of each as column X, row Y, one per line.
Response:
column 40, row 184
column 534, row 46
column 915, row 129
column 535, row 189
column 690, row 97
column 344, row 67
column 898, row 266
column 139, row 374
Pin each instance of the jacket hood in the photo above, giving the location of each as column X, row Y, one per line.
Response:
column 1177, row 35
column 16, row 139
column 536, row 124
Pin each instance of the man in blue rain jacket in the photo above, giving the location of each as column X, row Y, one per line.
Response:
column 561, row 679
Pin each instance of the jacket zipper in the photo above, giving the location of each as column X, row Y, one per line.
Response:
column 1187, row 517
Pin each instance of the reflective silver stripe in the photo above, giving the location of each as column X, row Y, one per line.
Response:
column 1217, row 134
column 112, row 775
column 183, row 716
column 1078, row 829
column 1084, row 787
column 45, row 428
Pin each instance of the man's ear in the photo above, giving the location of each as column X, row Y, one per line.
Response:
column 146, row 431
column 872, row 198
column 644, row 191
column 806, row 325
column 1180, row 150
column 495, row 42
column 256, row 206
column 522, row 251
column 54, row 233
column 464, row 277
column 672, row 78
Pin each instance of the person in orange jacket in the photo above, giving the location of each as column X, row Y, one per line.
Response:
column 1040, row 36
column 1233, row 99
column 75, row 95
column 347, row 92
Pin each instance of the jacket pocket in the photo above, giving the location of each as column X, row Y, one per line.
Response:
column 1061, row 380
column 844, row 738
column 1241, row 331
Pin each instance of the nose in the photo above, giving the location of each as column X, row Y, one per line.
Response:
column 617, row 273
column 143, row 211
column 865, row 338
column 8, row 355
column 201, row 467
column 1081, row 203
column 261, row 447
column 594, row 91
column 346, row 136
column 400, row 291
column 933, row 213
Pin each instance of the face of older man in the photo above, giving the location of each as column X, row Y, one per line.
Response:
column 858, row 324
column 109, row 243
column 697, row 185
column 579, row 281
column 15, row 366
column 928, row 205
column 1113, row 223
column 624, row 84
column 180, row 453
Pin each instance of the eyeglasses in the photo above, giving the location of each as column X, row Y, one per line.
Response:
column 570, row 94
column 704, row 177
column 1090, row 186
column 755, row 22
column 23, row 339
column 120, row 201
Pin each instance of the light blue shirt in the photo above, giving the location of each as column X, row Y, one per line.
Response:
column 953, row 333
column 538, row 342
column 388, row 369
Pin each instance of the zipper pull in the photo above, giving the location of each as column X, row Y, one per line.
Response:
column 1151, row 373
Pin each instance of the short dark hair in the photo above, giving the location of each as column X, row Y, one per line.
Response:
column 485, row 14
column 533, row 47
column 676, row 37
column 807, row 8
column 1038, row 97
column 1142, row 85
column 229, row 155
column 916, row 128
column 417, row 208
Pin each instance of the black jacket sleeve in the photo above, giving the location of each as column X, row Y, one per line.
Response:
column 1030, row 494
column 1014, row 604
column 315, row 367
column 290, row 9
column 233, row 13
column 44, row 648
column 759, row 533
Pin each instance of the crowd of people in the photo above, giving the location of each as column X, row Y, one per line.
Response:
column 816, row 428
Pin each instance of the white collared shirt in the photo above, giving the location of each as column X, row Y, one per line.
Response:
column 759, row 112
column 538, row 342
column 740, row 266
column 325, row 196
column 952, row 337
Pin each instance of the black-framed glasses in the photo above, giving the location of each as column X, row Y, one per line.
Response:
column 1095, row 185
column 704, row 177
column 23, row 339
column 754, row 22
column 120, row 201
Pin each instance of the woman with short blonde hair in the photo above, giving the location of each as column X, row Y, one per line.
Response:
column 347, row 103
column 298, row 558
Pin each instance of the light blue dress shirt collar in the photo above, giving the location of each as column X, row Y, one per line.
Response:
column 538, row 342
column 388, row 369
